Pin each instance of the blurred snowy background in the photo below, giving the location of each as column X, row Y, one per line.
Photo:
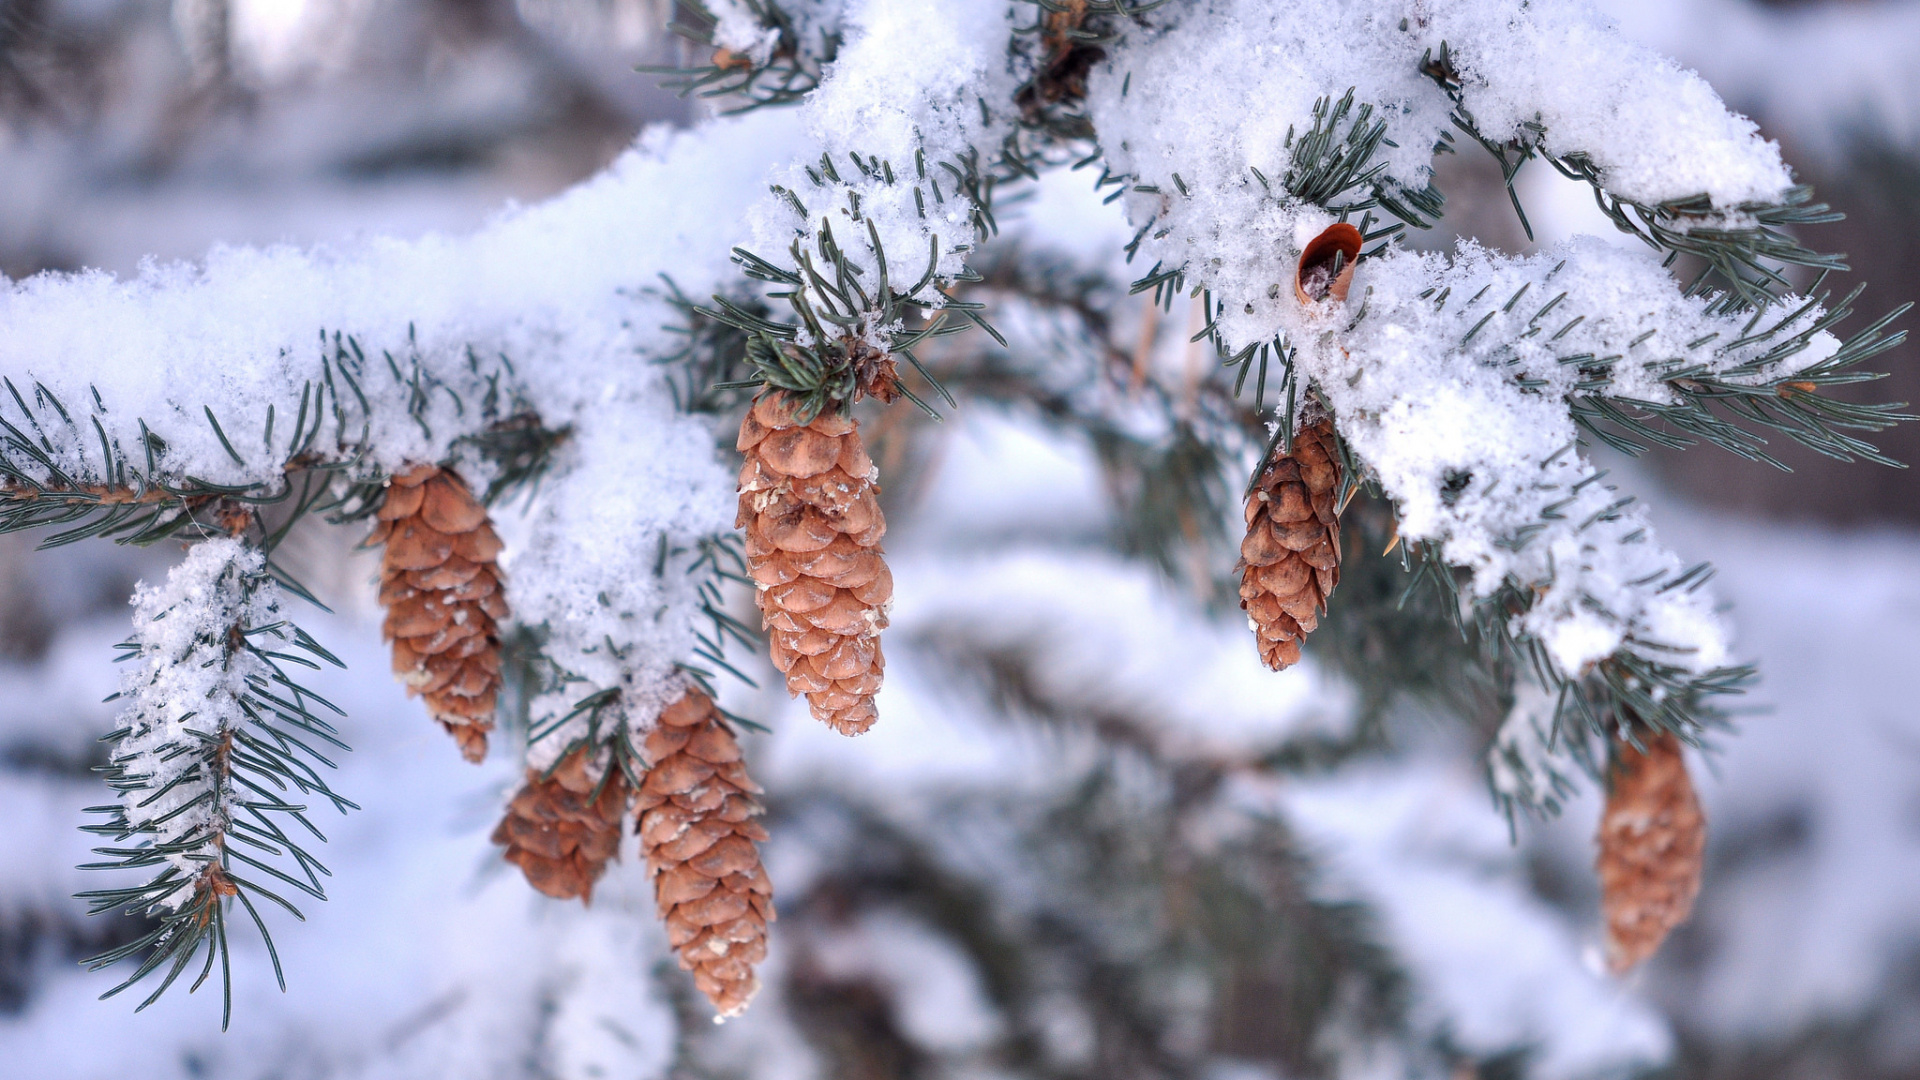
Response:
column 1092, row 837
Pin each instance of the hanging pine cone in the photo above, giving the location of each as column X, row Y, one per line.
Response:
column 1652, row 841
column 813, row 527
column 443, row 594
column 697, row 830
column 562, row 829
column 1290, row 559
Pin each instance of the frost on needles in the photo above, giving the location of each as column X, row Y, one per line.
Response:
column 585, row 354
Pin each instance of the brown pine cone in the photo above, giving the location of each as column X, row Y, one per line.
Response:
column 1652, row 841
column 697, row 830
column 443, row 593
column 813, row 527
column 1290, row 559
column 562, row 830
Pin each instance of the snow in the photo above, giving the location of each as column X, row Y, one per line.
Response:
column 1656, row 130
column 552, row 308
column 1457, row 401
column 596, row 584
column 1822, row 77
column 185, row 690
column 740, row 28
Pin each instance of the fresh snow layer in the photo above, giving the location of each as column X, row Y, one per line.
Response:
column 1825, row 78
column 557, row 309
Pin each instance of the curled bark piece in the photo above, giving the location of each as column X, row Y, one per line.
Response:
column 1326, row 266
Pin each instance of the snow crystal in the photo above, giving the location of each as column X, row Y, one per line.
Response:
column 900, row 119
column 630, row 622
column 740, row 29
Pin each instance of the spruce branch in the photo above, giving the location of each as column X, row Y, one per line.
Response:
column 844, row 341
column 1742, row 245
column 216, row 740
column 1735, row 407
column 93, row 484
column 785, row 67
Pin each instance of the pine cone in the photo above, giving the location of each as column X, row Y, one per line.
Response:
column 443, row 593
column 696, row 811
column 813, row 529
column 562, row 830
column 1290, row 560
column 1652, row 841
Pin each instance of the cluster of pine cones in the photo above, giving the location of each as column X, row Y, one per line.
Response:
column 693, row 805
column 694, row 811
column 810, row 514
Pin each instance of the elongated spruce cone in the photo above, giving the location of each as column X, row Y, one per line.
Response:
column 444, row 594
column 561, row 830
column 697, row 830
column 1652, row 840
column 1290, row 559
column 809, row 507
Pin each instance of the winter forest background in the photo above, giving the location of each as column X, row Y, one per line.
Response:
column 1028, row 868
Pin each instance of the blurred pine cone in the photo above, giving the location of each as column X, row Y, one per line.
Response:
column 813, row 526
column 443, row 593
column 1290, row 559
column 1653, row 839
column 697, row 829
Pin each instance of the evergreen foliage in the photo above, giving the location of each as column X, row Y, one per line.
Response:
column 1491, row 570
